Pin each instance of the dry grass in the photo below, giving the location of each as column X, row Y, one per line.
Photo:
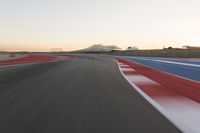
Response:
column 181, row 53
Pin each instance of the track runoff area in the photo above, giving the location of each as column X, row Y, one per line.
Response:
column 34, row 59
column 177, row 98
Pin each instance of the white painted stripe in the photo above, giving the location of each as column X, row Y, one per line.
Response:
column 139, row 79
column 183, row 109
column 178, row 63
column 177, row 122
column 124, row 65
column 127, row 69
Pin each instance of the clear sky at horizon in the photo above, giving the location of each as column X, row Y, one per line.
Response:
column 39, row 25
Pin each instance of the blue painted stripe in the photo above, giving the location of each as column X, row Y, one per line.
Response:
column 189, row 72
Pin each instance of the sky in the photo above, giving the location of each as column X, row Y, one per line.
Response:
column 39, row 25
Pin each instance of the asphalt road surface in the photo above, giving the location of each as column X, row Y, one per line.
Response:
column 86, row 95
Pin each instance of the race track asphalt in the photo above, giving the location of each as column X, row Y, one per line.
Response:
column 85, row 95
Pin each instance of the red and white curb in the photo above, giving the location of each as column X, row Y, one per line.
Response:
column 34, row 59
column 176, row 98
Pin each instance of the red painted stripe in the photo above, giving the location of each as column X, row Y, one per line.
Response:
column 125, row 67
column 170, row 86
column 29, row 59
column 70, row 57
column 35, row 59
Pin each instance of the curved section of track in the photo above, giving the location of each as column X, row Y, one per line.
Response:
column 175, row 97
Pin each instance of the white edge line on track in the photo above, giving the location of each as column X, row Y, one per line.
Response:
column 180, row 125
column 178, row 63
column 128, row 69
